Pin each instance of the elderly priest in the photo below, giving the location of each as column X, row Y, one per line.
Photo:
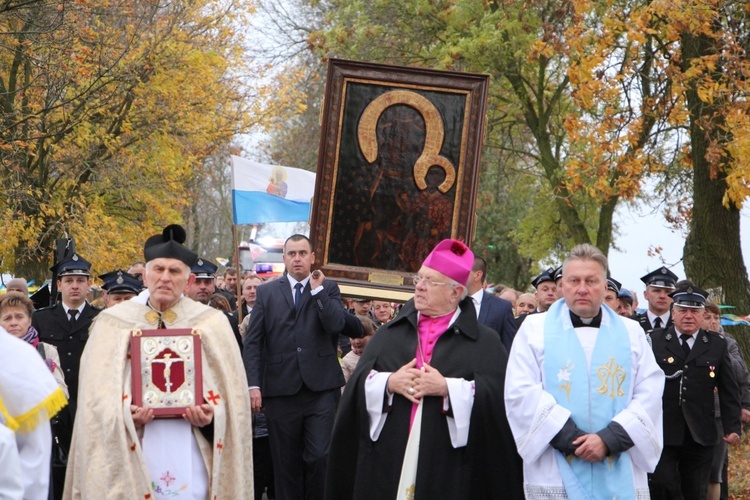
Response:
column 422, row 416
column 119, row 449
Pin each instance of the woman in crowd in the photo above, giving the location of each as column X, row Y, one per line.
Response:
column 15, row 317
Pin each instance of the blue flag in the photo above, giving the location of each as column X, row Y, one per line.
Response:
column 270, row 193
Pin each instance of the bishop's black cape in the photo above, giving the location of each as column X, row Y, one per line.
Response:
column 488, row 467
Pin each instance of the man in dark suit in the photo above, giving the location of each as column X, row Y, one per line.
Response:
column 696, row 362
column 292, row 368
column 659, row 284
column 66, row 326
column 492, row 311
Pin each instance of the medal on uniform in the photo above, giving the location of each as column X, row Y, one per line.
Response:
column 712, row 374
column 670, row 360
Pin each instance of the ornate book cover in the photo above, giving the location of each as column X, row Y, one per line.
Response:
column 166, row 368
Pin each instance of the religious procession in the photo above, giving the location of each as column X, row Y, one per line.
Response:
column 455, row 393
column 506, row 260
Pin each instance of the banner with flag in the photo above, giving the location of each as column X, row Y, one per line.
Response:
column 270, row 193
column 733, row 320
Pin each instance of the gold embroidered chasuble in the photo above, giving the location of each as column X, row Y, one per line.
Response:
column 106, row 459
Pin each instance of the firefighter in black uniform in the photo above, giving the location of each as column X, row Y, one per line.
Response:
column 659, row 284
column 203, row 288
column 119, row 286
column 695, row 362
column 66, row 326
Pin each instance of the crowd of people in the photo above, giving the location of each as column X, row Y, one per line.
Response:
column 464, row 391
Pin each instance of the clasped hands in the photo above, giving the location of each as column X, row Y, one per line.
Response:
column 198, row 416
column 415, row 383
column 590, row 447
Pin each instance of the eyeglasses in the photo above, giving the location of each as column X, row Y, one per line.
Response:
column 429, row 283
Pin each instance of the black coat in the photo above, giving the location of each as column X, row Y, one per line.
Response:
column 488, row 467
column 234, row 323
column 231, row 298
column 689, row 399
column 54, row 328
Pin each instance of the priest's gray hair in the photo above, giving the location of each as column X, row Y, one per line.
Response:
column 586, row 251
column 464, row 293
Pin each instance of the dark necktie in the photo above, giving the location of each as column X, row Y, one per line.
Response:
column 72, row 313
column 297, row 296
column 657, row 323
column 685, row 345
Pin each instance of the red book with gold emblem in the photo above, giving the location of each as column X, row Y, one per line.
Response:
column 166, row 370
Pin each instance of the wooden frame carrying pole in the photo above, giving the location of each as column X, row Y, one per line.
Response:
column 237, row 266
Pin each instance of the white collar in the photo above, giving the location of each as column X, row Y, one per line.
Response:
column 664, row 318
column 80, row 309
column 293, row 282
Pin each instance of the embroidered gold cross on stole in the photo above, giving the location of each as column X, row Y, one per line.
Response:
column 612, row 377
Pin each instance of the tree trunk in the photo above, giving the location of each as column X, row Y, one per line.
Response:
column 712, row 253
column 34, row 266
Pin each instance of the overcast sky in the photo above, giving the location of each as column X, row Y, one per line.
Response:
column 640, row 231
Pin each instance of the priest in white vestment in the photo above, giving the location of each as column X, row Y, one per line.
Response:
column 583, row 393
column 29, row 398
column 119, row 450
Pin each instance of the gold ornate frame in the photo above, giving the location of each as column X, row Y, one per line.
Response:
column 397, row 171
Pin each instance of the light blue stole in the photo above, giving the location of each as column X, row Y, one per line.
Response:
column 592, row 398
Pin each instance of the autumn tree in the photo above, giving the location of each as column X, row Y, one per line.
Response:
column 588, row 99
column 574, row 108
column 706, row 44
column 108, row 110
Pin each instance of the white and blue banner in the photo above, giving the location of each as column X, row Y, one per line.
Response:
column 270, row 193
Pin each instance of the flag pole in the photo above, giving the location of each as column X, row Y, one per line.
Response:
column 239, row 272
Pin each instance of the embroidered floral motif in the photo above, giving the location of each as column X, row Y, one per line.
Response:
column 167, row 491
column 564, row 376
